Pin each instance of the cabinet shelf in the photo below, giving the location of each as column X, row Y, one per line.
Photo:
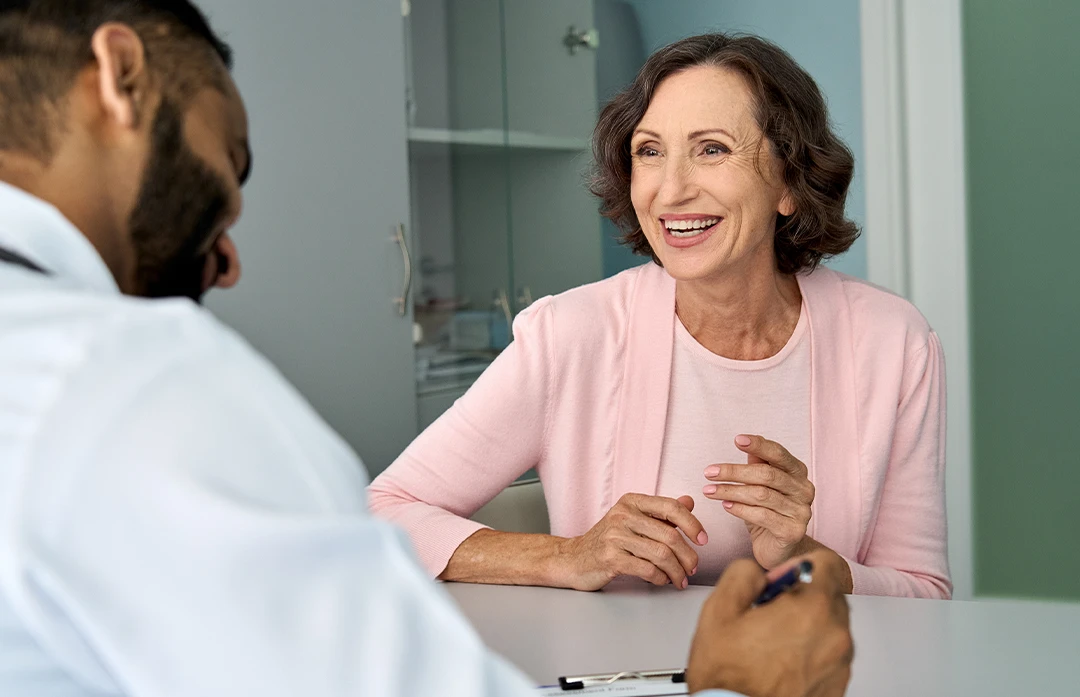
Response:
column 433, row 141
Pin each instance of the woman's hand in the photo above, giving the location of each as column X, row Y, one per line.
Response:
column 770, row 493
column 640, row 536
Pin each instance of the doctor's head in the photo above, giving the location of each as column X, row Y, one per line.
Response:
column 123, row 114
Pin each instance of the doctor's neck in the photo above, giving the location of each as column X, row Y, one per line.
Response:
column 79, row 187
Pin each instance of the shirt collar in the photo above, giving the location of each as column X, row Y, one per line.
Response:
column 41, row 233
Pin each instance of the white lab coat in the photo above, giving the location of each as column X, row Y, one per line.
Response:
column 175, row 520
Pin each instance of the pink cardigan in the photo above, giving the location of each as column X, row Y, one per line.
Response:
column 581, row 394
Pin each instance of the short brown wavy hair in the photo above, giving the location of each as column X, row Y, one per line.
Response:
column 817, row 166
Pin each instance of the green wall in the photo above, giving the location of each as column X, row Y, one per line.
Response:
column 1022, row 82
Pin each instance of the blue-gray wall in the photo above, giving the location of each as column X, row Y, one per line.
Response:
column 823, row 36
column 622, row 52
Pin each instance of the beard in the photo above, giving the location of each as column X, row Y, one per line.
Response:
column 179, row 207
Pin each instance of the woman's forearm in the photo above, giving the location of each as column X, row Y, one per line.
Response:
column 508, row 558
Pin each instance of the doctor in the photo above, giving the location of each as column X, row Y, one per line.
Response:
column 174, row 518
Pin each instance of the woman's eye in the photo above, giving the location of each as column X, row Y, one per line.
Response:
column 715, row 149
column 646, row 151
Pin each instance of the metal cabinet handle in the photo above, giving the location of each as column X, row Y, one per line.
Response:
column 502, row 301
column 581, row 38
column 525, row 298
column 403, row 301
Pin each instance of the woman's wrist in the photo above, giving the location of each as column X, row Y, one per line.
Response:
column 493, row 556
column 557, row 567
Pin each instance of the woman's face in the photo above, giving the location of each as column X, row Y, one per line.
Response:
column 704, row 183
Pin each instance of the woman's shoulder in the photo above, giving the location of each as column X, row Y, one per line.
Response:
column 878, row 316
column 605, row 302
column 595, row 316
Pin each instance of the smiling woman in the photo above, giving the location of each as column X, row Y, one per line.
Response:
column 731, row 400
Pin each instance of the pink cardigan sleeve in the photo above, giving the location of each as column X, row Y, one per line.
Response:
column 486, row 440
column 906, row 554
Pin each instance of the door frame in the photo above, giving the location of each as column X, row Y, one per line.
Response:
column 916, row 200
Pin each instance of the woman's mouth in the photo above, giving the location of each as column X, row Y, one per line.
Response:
column 687, row 232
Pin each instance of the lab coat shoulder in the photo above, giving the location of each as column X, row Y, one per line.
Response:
column 234, row 518
column 169, row 391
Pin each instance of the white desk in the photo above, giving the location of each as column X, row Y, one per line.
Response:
column 904, row 648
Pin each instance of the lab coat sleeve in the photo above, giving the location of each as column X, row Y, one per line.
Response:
column 208, row 537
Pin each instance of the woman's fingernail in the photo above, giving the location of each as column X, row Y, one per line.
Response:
column 685, row 583
column 708, row 489
column 694, row 571
column 702, row 538
column 728, row 504
column 743, row 441
column 712, row 470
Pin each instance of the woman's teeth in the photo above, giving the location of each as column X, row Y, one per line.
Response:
column 689, row 228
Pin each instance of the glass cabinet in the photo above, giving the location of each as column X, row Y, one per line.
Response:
column 501, row 99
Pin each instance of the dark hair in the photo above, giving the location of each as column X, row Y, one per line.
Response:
column 45, row 43
column 817, row 166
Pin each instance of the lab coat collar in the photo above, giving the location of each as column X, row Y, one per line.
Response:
column 41, row 233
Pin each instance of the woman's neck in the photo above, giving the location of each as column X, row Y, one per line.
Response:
column 743, row 316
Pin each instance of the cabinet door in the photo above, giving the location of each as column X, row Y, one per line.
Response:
column 324, row 85
column 551, row 92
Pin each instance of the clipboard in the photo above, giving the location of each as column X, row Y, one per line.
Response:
column 644, row 683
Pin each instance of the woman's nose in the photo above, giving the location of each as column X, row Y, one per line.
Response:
column 678, row 184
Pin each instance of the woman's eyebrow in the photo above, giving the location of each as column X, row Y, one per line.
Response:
column 691, row 136
column 708, row 131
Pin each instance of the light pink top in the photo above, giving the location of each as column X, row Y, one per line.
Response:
column 582, row 395
column 713, row 399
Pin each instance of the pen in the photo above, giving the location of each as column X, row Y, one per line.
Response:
column 803, row 573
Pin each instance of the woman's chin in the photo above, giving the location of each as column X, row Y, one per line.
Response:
column 686, row 267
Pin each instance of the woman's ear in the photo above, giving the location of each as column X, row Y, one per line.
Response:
column 787, row 203
column 123, row 80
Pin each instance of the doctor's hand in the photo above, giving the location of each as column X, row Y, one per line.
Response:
column 798, row 645
column 771, row 494
column 640, row 536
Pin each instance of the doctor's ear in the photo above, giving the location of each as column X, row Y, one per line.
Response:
column 124, row 86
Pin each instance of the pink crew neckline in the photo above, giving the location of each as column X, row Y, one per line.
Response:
column 685, row 338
